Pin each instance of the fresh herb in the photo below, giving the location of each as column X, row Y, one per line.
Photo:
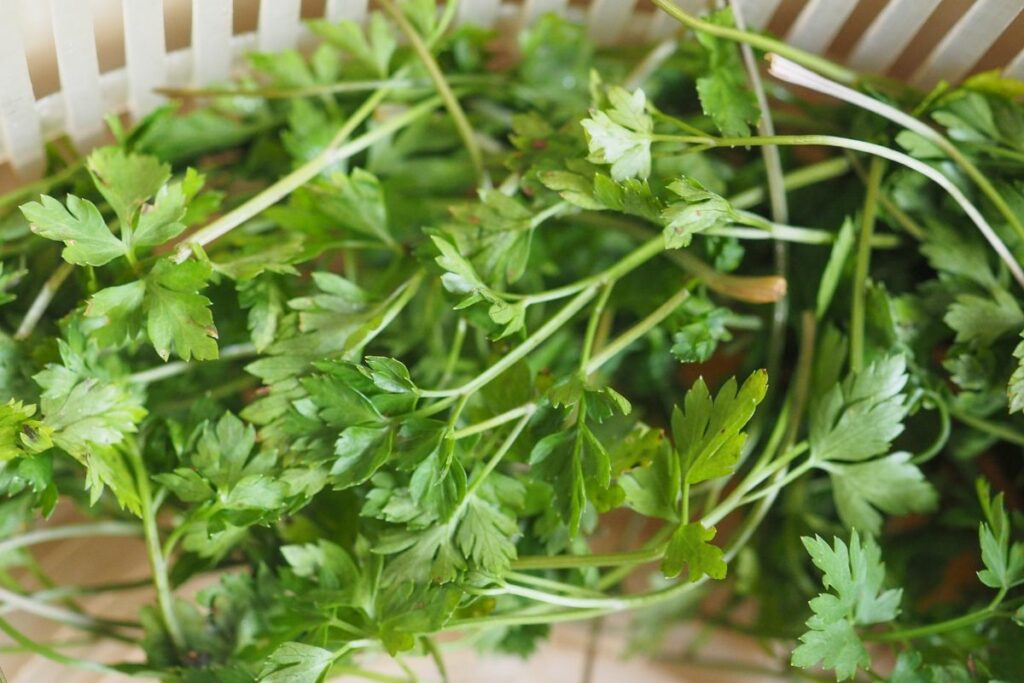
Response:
column 371, row 341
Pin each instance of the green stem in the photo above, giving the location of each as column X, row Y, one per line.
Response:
column 42, row 300
column 886, row 153
column 993, row 428
column 61, row 615
column 578, row 561
column 496, row 421
column 759, row 41
column 620, row 343
column 167, row 370
column 940, row 627
column 451, row 102
column 60, row 533
column 157, row 561
column 505, row 447
column 595, row 317
column 334, row 152
column 338, row 88
column 805, row 176
column 863, row 263
column 792, row 233
column 51, row 654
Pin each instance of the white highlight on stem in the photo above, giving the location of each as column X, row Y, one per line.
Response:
column 791, row 72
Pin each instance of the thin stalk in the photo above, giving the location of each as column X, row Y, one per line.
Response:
column 792, row 233
column 863, row 264
column 339, row 88
column 886, row 153
column 455, row 351
column 989, row 427
column 801, row 378
column 62, row 615
column 759, row 41
column 786, row 70
column 496, row 421
column 550, row 585
column 451, row 102
column 60, row 533
column 167, row 370
column 51, row 654
column 940, row 627
column 638, row 330
column 334, row 152
column 805, row 176
column 630, row 557
column 595, row 318
column 157, row 561
column 42, row 300
column 505, row 447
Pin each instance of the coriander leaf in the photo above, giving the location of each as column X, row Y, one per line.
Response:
column 360, row 451
column 126, row 180
column 265, row 301
column 699, row 210
column 653, row 490
column 621, row 136
column 689, row 547
column 356, row 201
column 707, row 433
column 697, row 340
column 892, row 484
column 984, row 320
column 859, row 418
column 177, row 316
column 117, row 312
column 296, row 663
column 88, row 241
column 88, row 413
column 837, row 259
column 460, row 276
column 723, row 91
column 854, row 574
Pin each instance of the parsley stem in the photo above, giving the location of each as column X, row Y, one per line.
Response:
column 162, row 372
column 62, row 615
column 334, row 152
column 52, row 654
column 995, row 429
column 496, row 421
column 60, row 533
column 451, row 102
column 759, row 41
column 620, row 343
column 42, row 300
column 157, row 560
column 863, row 264
column 505, row 447
column 873, row 149
column 577, row 561
column 591, row 332
column 340, row 87
column 823, row 171
column 940, row 627
column 550, row 584
column 792, row 233
column 786, row 70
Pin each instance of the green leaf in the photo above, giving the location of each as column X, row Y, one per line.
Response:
column 854, row 574
column 699, row 210
column 859, row 418
column 723, row 91
column 1003, row 559
column 983, row 320
column 374, row 53
column 296, row 663
column 126, row 180
column 653, row 490
column 163, row 220
column 20, row 434
column 892, row 484
column 697, row 339
column 89, row 413
column 88, row 241
column 708, row 433
column 690, row 547
column 1015, row 388
column 178, row 318
column 356, row 202
column 486, row 536
column 360, row 452
column 621, row 136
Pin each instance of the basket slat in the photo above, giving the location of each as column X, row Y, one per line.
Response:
column 819, row 23
column 1016, row 67
column 211, row 40
column 79, row 69
column 967, row 41
column 482, row 12
column 145, row 53
column 757, row 13
column 891, row 31
column 353, row 10
column 607, row 18
column 279, row 25
column 20, row 135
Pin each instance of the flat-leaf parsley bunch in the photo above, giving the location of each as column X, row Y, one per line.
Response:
column 374, row 339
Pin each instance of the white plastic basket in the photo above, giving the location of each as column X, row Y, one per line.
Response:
column 75, row 34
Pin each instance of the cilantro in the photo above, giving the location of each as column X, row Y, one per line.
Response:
column 80, row 226
column 621, row 136
column 723, row 91
column 699, row 211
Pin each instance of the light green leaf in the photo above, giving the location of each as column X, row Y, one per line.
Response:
column 698, row 210
column 296, row 663
column 126, row 180
column 177, row 316
column 88, row 241
column 621, row 136
column 891, row 484
column 690, row 547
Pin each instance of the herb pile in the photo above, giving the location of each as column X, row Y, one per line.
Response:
column 378, row 338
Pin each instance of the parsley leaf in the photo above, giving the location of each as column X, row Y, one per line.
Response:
column 690, row 547
column 80, row 226
column 723, row 90
column 854, row 574
column 621, row 136
column 699, row 210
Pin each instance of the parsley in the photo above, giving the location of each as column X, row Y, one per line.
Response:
column 382, row 368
